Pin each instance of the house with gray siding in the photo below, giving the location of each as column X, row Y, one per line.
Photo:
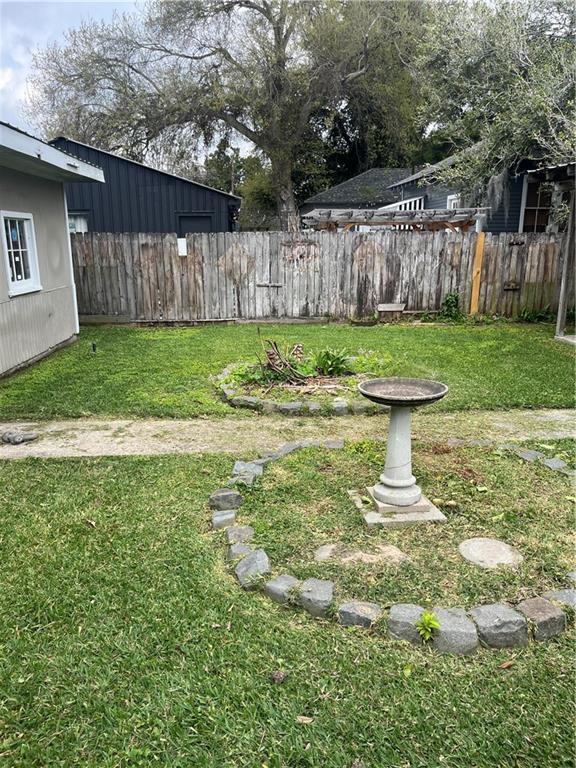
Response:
column 37, row 293
column 525, row 207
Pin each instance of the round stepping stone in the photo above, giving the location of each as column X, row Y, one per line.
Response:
column 489, row 553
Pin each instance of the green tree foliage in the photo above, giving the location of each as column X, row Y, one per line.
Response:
column 191, row 70
column 498, row 79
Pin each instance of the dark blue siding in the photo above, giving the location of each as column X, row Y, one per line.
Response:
column 136, row 198
column 497, row 221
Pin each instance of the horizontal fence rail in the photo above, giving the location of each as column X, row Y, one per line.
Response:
column 259, row 275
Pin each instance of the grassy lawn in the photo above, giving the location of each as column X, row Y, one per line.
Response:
column 302, row 503
column 166, row 372
column 124, row 642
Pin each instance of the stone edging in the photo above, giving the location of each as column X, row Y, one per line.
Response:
column 338, row 406
column 498, row 625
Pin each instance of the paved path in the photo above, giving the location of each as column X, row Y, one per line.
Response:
column 123, row 437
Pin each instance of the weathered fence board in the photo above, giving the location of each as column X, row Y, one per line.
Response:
column 259, row 275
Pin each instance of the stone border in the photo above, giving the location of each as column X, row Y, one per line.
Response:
column 338, row 406
column 497, row 625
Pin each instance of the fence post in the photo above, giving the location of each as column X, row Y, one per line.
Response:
column 477, row 272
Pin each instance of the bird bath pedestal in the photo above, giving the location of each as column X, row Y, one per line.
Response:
column 397, row 499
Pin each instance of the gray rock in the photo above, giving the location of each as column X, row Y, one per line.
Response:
column 239, row 533
column 457, row 633
column 554, row 463
column 247, row 468
column 245, row 401
column 310, row 442
column 482, row 442
column 359, row 614
column 281, row 588
column 229, row 392
column 499, row 626
column 454, row 442
column 251, row 568
column 571, row 577
column 246, row 480
column 569, row 472
column 339, row 406
column 286, row 449
column 269, row 406
column 313, row 408
column 324, row 552
column 223, row 518
column 236, row 551
column 316, row 596
column 361, row 407
column 489, row 553
column 528, row 455
column 335, row 444
column 547, row 619
column 402, row 621
column 562, row 596
column 225, row 498
column 17, row 437
column 291, row 409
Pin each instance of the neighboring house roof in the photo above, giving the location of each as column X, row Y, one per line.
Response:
column 26, row 153
column 423, row 172
column 370, row 188
column 143, row 165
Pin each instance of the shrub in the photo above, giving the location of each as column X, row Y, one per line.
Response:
column 450, row 309
column 331, row 362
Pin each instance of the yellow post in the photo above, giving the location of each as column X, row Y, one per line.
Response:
column 476, row 272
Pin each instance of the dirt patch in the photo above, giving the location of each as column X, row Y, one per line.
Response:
column 249, row 436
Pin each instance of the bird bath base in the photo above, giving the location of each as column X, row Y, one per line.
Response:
column 379, row 515
column 397, row 500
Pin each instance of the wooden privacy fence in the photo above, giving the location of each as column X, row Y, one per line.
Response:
column 252, row 275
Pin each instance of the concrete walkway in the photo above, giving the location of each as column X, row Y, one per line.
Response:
column 246, row 436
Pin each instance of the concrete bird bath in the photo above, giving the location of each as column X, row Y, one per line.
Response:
column 397, row 491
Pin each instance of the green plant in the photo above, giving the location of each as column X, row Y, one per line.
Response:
column 450, row 309
column 426, row 625
column 536, row 315
column 331, row 362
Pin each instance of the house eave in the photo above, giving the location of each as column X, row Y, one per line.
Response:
column 27, row 154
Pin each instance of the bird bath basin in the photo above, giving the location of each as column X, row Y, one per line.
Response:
column 397, row 486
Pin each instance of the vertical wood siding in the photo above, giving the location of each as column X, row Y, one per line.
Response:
column 253, row 275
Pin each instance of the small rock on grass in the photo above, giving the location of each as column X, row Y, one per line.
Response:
column 554, row 463
column 499, row 626
column 359, row 614
column 562, row 596
column 335, row 444
column 247, row 468
column 547, row 619
column 251, row 568
column 457, row 633
column 280, row 588
column 239, row 534
column 402, row 621
column 236, row 551
column 316, row 596
column 225, row 498
column 571, row 577
column 223, row 518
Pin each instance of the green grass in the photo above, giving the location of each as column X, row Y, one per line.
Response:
column 124, row 642
column 302, row 503
column 166, row 372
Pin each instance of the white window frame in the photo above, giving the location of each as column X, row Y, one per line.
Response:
column 32, row 284
column 451, row 199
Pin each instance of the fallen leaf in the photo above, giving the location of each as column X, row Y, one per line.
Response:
column 507, row 664
column 481, row 489
column 90, row 523
column 407, row 671
column 451, row 503
column 305, row 720
column 278, row 676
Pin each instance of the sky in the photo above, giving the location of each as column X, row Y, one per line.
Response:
column 26, row 26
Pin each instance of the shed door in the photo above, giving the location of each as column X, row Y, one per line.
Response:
column 194, row 222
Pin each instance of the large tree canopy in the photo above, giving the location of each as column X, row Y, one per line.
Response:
column 185, row 69
column 498, row 80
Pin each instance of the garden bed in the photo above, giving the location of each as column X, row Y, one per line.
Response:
column 304, row 519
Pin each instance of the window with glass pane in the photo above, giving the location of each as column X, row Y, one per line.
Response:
column 20, row 252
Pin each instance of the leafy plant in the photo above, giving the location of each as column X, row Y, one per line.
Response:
column 450, row 309
column 332, row 362
column 536, row 315
column 426, row 625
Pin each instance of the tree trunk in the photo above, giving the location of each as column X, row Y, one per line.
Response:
column 287, row 210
